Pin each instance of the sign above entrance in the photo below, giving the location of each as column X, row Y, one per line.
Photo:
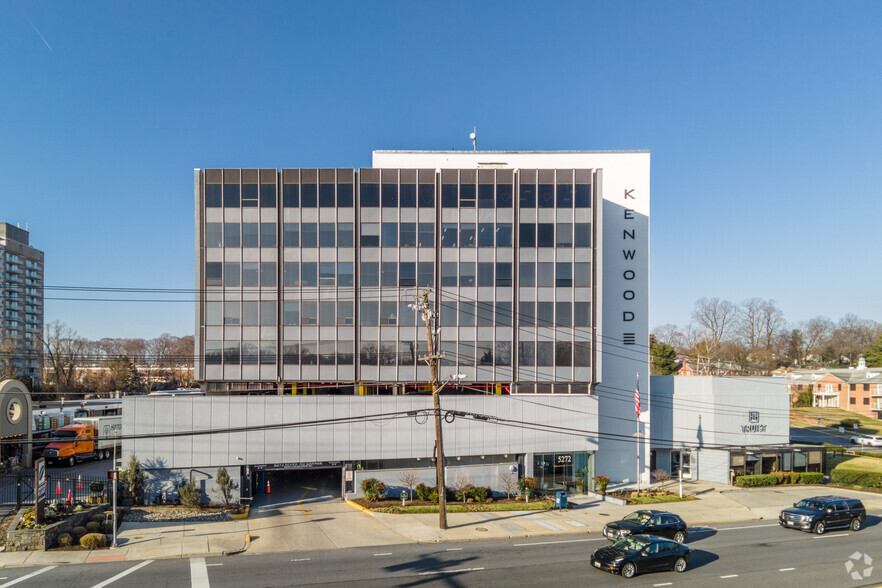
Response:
column 753, row 417
column 304, row 465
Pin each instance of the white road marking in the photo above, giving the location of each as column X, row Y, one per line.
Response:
column 28, row 577
column 381, row 554
column 209, row 565
column 786, row 569
column 729, row 576
column 665, row 584
column 453, row 549
column 301, row 559
column 198, row 573
column 575, row 524
column 451, row 571
column 831, row 536
column 123, row 574
column 549, row 525
column 548, row 543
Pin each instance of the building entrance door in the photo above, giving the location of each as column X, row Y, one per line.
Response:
column 681, row 464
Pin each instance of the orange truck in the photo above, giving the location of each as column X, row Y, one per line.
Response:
column 85, row 439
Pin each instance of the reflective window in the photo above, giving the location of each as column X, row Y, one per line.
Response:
column 389, row 193
column 327, row 235
column 449, row 233
column 231, row 352
column 327, row 313
column 503, row 235
column 407, row 274
column 388, row 313
column 291, row 353
column 564, row 195
column 503, row 314
column 484, row 311
column 389, row 235
column 449, row 274
column 449, row 198
column 563, row 353
column 250, row 195
column 327, row 353
column 484, row 352
column 448, row 314
column 251, row 274
column 214, row 235
column 344, row 195
column 407, row 234
column 563, row 314
column 427, row 195
column 368, row 353
column 467, row 235
column 267, row 195
column 232, row 313
column 485, row 273
column 369, row 313
column 291, row 274
column 370, row 195
column 308, row 235
column 407, row 317
column 268, row 313
column 545, row 235
column 388, row 273
column 213, row 273
column 503, row 273
column 527, row 274
column 291, row 235
column 503, row 353
column 582, row 314
column 486, row 233
column 250, row 313
column 545, row 196
column 232, row 236
column 290, row 313
column 406, row 353
column 545, row 274
column 345, row 237
column 309, row 273
column 504, row 195
column 231, row 195
column 582, row 275
column 527, row 235
column 407, row 195
column 327, row 273
column 526, row 353
column 581, row 354
column 267, row 234
column 466, row 314
column 564, row 235
column 249, row 350
column 527, row 195
column 250, row 235
column 370, row 234
column 308, row 195
column 345, row 313
column 327, row 197
column 231, row 274
column 290, row 195
column 308, row 352
column 213, row 352
column 583, row 235
column 425, row 274
column 213, row 196
column 344, row 273
column 467, row 195
column 545, row 353
column 370, row 273
column 545, row 314
column 526, row 313
column 564, row 277
column 426, row 235
column 465, row 353
column 583, row 196
column 467, row 273
column 214, row 313
column 485, row 196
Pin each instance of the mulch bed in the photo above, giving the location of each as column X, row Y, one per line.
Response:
column 177, row 513
column 387, row 503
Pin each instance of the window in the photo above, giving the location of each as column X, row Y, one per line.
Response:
column 563, row 353
column 526, row 313
column 582, row 235
column 582, row 314
column 327, row 273
column 545, row 353
column 291, row 274
column 527, row 274
column 407, row 195
column 214, row 273
column 231, row 195
column 427, row 195
column 368, row 353
column 485, row 235
column 503, row 235
column 484, row 311
column 232, row 313
column 449, row 198
column 545, row 235
column 327, row 235
column 370, row 234
column 504, row 194
column 268, row 313
column 503, row 273
column 426, row 235
column 465, row 353
column 213, row 352
column 527, row 196
column 503, row 314
column 267, row 234
column 407, row 274
column 327, row 197
column 344, row 196
column 290, row 313
column 563, row 314
column 344, row 273
column 327, row 352
column 526, row 353
column 467, row 195
column 308, row 235
column 213, row 197
column 485, row 196
column 308, row 352
column 388, row 273
column 250, row 235
column 291, row 353
column 267, row 195
column 545, row 314
column 407, row 317
column 308, row 312
column 214, row 235
column 290, row 195
column 467, row 235
column 327, row 313
column 406, row 353
column 852, row 400
column 389, row 235
column 345, row 236
column 527, row 235
column 250, row 274
column 466, row 314
column 231, row 274
column 309, row 273
column 308, row 195
column 503, row 353
column 214, row 313
column 545, row 274
column 564, row 235
column 232, row 235
column 387, row 353
column 583, row 195
column 370, row 194
column 582, row 275
column 484, row 352
column 425, row 274
column 449, row 274
column 866, row 401
column 449, row 232
column 369, row 313
column 389, row 195
column 407, row 234
column 466, row 273
column 249, row 195
column 291, row 235
column 581, row 354
column 564, row 195
column 564, row 274
column 545, row 196
column 345, row 313
column 485, row 274
column 232, row 351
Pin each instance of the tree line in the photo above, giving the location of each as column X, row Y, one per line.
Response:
column 753, row 337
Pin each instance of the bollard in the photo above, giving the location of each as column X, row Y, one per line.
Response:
column 403, row 497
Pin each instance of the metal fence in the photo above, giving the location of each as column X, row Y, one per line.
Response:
column 17, row 488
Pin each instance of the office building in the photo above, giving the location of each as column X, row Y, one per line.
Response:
column 21, row 303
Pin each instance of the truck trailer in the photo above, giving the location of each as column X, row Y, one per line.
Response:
column 87, row 438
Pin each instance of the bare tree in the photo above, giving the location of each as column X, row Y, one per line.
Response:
column 8, row 352
column 815, row 333
column 747, row 325
column 715, row 316
column 410, row 479
column 771, row 322
column 64, row 353
column 509, row 481
column 459, row 485
column 669, row 333
column 661, row 475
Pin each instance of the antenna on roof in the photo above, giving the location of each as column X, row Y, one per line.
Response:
column 474, row 137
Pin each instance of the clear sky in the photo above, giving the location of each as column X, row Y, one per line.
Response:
column 763, row 119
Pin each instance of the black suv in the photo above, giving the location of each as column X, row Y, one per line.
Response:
column 647, row 522
column 824, row 512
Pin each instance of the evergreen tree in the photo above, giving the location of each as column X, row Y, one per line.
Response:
column 664, row 358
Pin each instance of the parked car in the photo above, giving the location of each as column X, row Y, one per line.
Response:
column 870, row 440
column 642, row 553
column 647, row 522
column 824, row 512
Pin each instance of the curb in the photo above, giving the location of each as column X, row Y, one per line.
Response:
column 244, row 515
column 358, row 506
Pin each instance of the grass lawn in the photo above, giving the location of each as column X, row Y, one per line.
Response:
column 659, row 499
column 857, row 463
column 830, row 417
column 473, row 507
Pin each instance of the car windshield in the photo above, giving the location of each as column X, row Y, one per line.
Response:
column 60, row 433
column 630, row 544
column 637, row 517
column 810, row 505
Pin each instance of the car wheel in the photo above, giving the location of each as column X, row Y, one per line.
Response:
column 629, row 570
column 679, row 536
column 820, row 527
column 856, row 524
column 680, row 565
column 71, row 461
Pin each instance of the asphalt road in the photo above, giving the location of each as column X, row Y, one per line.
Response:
column 729, row 555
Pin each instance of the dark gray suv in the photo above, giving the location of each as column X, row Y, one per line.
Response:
column 820, row 513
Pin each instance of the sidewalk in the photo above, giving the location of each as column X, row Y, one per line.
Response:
column 341, row 525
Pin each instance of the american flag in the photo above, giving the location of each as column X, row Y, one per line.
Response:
column 637, row 398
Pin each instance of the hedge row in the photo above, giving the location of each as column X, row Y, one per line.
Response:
column 779, row 478
column 852, row 478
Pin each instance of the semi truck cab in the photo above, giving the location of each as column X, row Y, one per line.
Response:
column 74, row 443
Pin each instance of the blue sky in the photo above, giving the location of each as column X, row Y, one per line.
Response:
column 762, row 119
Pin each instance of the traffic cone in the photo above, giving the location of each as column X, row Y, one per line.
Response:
column 58, row 489
column 80, row 482
column 267, row 486
column 69, row 497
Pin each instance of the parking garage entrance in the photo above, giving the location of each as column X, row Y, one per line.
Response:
column 295, row 483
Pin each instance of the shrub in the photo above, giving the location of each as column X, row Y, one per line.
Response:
column 190, row 494
column 756, row 480
column 465, row 492
column 93, row 541
column 93, row 527
column 849, row 422
column 78, row 532
column 132, row 481
column 804, row 399
column 97, row 518
column 423, row 492
column 853, row 478
column 794, row 477
column 481, row 493
column 373, row 489
column 225, row 484
column 65, row 540
column 527, row 486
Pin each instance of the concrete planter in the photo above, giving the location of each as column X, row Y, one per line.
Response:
column 47, row 537
column 606, row 498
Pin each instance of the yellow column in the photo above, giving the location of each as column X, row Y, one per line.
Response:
column 361, row 389
column 498, row 388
